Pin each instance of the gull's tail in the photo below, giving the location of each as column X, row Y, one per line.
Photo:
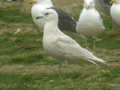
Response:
column 94, row 58
column 99, row 60
column 89, row 56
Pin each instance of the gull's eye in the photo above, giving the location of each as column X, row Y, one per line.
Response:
column 39, row 17
column 46, row 14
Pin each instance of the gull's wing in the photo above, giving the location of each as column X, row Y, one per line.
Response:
column 66, row 22
column 68, row 47
column 103, row 5
column 71, row 49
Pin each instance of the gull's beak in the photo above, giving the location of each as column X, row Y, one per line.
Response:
column 88, row 6
column 113, row 1
column 31, row 1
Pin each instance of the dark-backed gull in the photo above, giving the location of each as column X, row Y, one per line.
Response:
column 66, row 22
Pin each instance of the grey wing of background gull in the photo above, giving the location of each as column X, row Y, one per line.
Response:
column 103, row 5
column 66, row 22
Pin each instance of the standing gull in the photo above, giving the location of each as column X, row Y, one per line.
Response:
column 115, row 11
column 59, row 45
column 90, row 22
column 66, row 22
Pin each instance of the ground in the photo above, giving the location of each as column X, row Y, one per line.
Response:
column 24, row 65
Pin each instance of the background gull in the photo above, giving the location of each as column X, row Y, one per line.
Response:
column 66, row 22
column 59, row 45
column 115, row 11
column 90, row 22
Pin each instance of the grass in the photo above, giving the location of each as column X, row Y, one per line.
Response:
column 24, row 65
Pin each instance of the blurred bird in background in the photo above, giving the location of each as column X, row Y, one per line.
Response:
column 115, row 11
column 90, row 22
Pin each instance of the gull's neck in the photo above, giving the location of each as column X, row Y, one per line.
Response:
column 51, row 28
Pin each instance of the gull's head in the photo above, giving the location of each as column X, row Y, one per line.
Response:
column 89, row 4
column 47, row 15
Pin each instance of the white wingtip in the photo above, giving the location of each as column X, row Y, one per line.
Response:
column 100, row 60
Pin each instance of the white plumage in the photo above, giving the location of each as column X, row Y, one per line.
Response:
column 61, row 46
column 37, row 8
column 90, row 22
column 115, row 11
